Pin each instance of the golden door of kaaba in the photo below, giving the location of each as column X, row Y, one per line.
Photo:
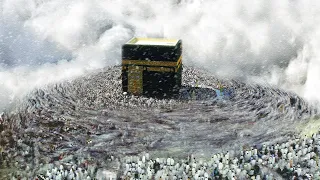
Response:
column 135, row 78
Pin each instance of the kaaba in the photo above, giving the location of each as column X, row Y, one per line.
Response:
column 152, row 67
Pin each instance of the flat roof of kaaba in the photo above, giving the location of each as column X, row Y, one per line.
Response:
column 153, row 41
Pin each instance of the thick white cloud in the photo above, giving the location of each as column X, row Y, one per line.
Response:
column 45, row 41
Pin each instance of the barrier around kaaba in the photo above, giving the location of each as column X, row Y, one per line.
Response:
column 152, row 66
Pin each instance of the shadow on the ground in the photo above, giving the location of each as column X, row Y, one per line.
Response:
column 192, row 93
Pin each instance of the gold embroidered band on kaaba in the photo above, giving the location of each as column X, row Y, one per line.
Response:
column 158, row 64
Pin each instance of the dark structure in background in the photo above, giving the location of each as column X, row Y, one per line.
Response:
column 152, row 67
